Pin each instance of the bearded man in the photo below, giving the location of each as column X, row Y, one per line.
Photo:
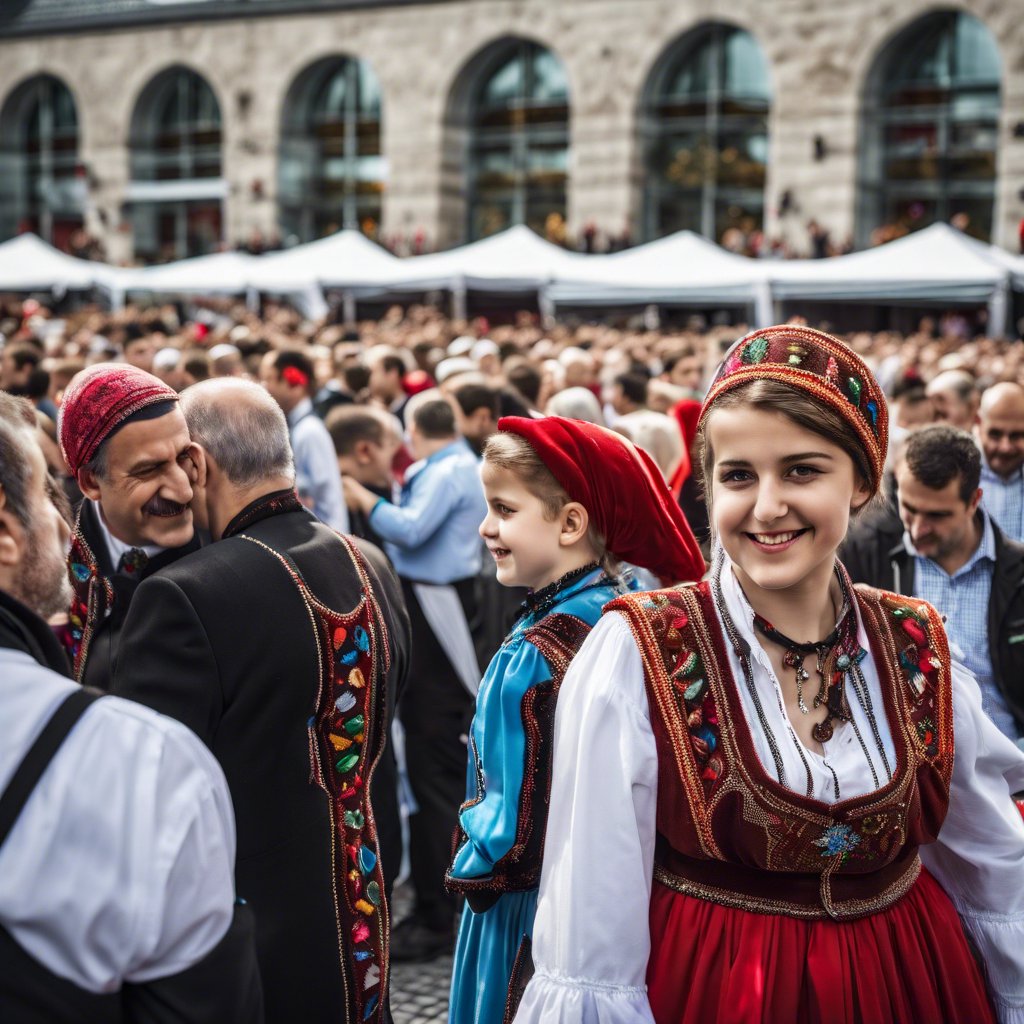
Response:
column 126, row 443
column 116, row 890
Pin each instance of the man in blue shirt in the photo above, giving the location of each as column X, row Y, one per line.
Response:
column 947, row 550
column 1000, row 432
column 431, row 536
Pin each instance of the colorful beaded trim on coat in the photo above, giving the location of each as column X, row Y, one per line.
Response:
column 346, row 737
column 91, row 596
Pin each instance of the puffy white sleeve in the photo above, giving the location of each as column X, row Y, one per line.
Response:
column 591, row 938
column 979, row 855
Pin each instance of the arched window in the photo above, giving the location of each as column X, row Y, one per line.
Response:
column 930, row 129
column 177, row 189
column 41, row 185
column 332, row 173
column 704, row 127
column 518, row 141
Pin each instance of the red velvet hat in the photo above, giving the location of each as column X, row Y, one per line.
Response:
column 97, row 401
column 621, row 488
column 821, row 366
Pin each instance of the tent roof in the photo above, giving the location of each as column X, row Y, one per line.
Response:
column 937, row 263
column 681, row 267
column 29, row 264
column 218, row 273
column 345, row 259
column 513, row 260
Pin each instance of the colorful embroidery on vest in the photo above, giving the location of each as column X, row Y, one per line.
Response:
column 838, row 841
column 862, row 852
column 686, row 671
column 91, row 596
column 919, row 664
column 354, row 656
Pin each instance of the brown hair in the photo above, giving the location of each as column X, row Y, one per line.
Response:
column 797, row 406
column 508, row 451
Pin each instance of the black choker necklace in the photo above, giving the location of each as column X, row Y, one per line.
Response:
column 539, row 601
column 834, row 657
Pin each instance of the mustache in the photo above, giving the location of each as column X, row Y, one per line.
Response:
column 162, row 507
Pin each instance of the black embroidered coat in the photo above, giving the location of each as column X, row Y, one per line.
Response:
column 102, row 598
column 223, row 641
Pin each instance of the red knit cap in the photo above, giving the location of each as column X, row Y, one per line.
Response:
column 622, row 490
column 97, row 401
column 822, row 367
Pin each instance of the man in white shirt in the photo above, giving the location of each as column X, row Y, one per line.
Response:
column 288, row 376
column 117, row 837
column 1000, row 434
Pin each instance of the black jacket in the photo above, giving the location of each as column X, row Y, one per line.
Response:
column 221, row 640
column 98, row 667
column 874, row 554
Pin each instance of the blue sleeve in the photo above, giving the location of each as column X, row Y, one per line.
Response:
column 498, row 748
column 433, row 495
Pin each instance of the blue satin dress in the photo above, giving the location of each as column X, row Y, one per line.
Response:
column 488, row 942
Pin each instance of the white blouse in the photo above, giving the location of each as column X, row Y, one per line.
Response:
column 591, row 939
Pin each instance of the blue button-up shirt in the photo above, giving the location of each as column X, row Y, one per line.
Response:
column 1004, row 500
column 431, row 534
column 316, row 467
column 963, row 598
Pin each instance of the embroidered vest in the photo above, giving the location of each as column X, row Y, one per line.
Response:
column 92, row 596
column 730, row 833
column 558, row 637
column 346, row 738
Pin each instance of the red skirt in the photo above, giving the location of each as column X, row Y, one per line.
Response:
column 716, row 965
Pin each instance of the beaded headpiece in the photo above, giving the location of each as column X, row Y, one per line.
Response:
column 821, row 366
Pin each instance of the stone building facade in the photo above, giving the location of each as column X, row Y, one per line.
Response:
column 820, row 59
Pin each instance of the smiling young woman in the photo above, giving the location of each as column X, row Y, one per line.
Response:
column 756, row 812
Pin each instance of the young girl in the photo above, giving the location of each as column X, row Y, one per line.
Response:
column 566, row 499
column 751, row 771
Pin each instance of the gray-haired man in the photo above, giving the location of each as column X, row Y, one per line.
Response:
column 274, row 644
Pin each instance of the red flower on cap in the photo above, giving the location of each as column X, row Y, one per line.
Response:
column 621, row 488
column 97, row 401
column 294, row 376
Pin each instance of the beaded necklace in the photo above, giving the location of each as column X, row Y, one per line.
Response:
column 539, row 602
column 845, row 658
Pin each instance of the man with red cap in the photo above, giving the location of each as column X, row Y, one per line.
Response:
column 126, row 443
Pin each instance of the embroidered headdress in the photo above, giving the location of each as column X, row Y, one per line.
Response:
column 821, row 366
column 98, row 401
column 621, row 488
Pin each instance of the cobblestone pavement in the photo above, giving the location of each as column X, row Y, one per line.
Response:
column 419, row 992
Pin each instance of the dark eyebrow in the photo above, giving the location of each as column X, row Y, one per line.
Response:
column 801, row 457
column 941, row 514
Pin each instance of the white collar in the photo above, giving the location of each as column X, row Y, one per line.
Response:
column 117, row 547
column 301, row 411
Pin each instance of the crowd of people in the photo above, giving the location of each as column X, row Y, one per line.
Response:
column 290, row 607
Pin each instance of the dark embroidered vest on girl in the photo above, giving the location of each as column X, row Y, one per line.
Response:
column 746, row 841
column 346, row 737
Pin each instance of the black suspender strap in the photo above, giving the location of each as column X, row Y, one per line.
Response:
column 39, row 756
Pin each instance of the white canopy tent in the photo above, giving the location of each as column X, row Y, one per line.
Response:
column 681, row 269
column 347, row 259
column 28, row 264
column 512, row 262
column 937, row 265
column 220, row 273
